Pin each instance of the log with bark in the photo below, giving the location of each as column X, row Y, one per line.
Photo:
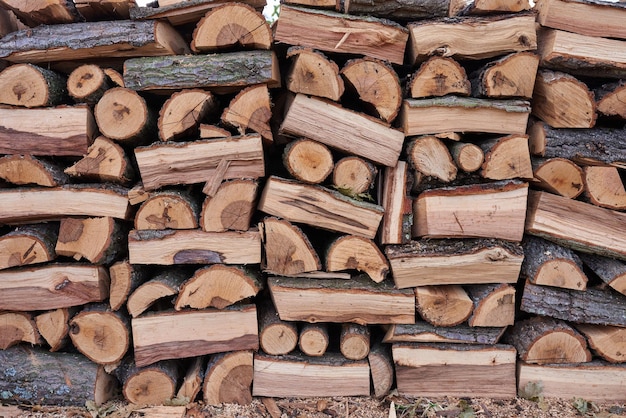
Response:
column 165, row 284
column 350, row 252
column 467, row 156
column 314, row 339
column 99, row 240
column 168, row 209
column 609, row 270
column 611, row 99
column 250, row 110
column 29, row 244
column 395, row 227
column 438, row 76
column 181, row 115
column 194, row 333
column 308, row 161
column 28, row 85
column 381, row 369
column 104, row 9
column 148, row 385
column 606, row 341
column 87, row 83
column 28, row 170
column 125, row 278
column 506, row 158
column 444, row 305
column 228, row 379
column 604, row 187
column 288, row 250
column 357, row 300
column 354, row 176
column 423, row 332
column 484, row 7
column 311, row 72
column 17, row 327
column 54, row 327
column 510, row 76
column 431, row 157
column 43, row 12
column 397, row 10
column 559, row 176
column 494, row 305
column 231, row 207
column 354, row 341
column 276, row 337
column 106, row 161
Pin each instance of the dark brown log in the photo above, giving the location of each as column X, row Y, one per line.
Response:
column 549, row 264
column 381, row 369
column 183, row 112
column 105, row 161
column 312, row 73
column 165, row 284
column 17, row 327
column 393, row 197
column 98, row 240
column 62, row 379
column 125, row 278
column 250, row 109
column 287, row 249
column 171, row 209
column 40, row 12
column 29, row 85
column 609, row 270
column 192, row 382
column 611, row 99
column 31, row 244
column 541, row 340
column 350, row 252
column 510, row 76
column 559, row 176
column 485, row 7
column 276, row 337
column 605, row 341
column 439, row 76
column 593, row 306
column 308, row 161
column 494, row 305
column 87, row 83
column 148, row 385
column 354, row 341
column 398, row 10
column 228, row 379
column 314, row 339
column 231, row 207
column 424, row 332
column 430, row 156
column 93, row 10
column 26, row 169
column 443, row 306
column 604, row 187
column 54, row 327
column 9, row 22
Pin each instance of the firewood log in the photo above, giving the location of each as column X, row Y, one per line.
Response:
column 606, row 341
column 312, row 73
column 9, row 22
column 438, row 76
column 185, row 12
column 168, row 209
column 29, row 85
column 393, row 197
column 165, row 284
column 231, row 207
column 148, row 385
column 287, row 249
column 443, row 306
column 87, row 83
column 125, row 278
column 276, row 337
column 609, row 270
column 506, row 158
column 423, row 332
column 611, row 99
column 54, row 327
column 93, row 10
column 466, row 156
column 430, row 156
column 483, row 7
column 123, row 115
column 105, row 161
column 228, row 379
column 604, row 187
column 42, row 12
column 30, row 244
column 559, row 176
column 494, row 305
column 308, row 161
column 354, row 341
column 548, row 264
column 192, row 382
column 17, row 327
column 26, row 169
column 510, row 76
column 181, row 115
column 397, row 10
column 314, row 339
column 354, row 175
column 250, row 109
column 350, row 252
column 381, row 369
column 99, row 240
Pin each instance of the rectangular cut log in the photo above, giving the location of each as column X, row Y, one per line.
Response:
column 36, row 204
column 581, row 16
column 581, row 54
column 319, row 207
column 78, row 41
column 300, row 376
column 233, row 70
column 163, row 164
column 173, row 335
column 358, row 300
column 463, row 114
column 342, row 129
column 469, row 261
column 93, row 10
column 181, row 12
column 342, row 33
column 52, row 286
column 458, row 37
column 193, row 246
column 577, row 225
column 423, row 332
column 595, row 382
column 455, row 370
column 60, row 131
column 492, row 210
column 393, row 197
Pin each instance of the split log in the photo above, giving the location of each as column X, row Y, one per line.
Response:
column 376, row 84
column 32, row 244
column 468, row 261
column 468, row 157
column 510, row 76
column 595, row 381
column 455, row 370
column 78, row 41
column 231, row 25
column 459, row 114
column 318, row 4
column 276, row 337
column 228, row 379
column 609, row 270
column 62, row 379
column 29, row 85
column 123, row 115
column 575, row 16
column 102, row 335
column 576, row 225
column 151, row 385
column 99, row 240
column 10, row 23
column 212, row 131
column 314, row 339
column 424, row 332
column 320, row 207
column 350, row 252
column 300, row 376
column 345, row 130
column 287, row 249
column 606, row 341
column 381, row 369
column 250, row 109
column 226, row 71
column 192, row 382
column 52, row 286
column 308, row 161
column 182, row 113
column 506, row 158
column 182, row 12
column 498, row 35
column 125, row 278
column 559, row 176
column 549, row 264
column 312, row 73
column 218, row 287
column 60, row 131
column 444, row 305
column 493, row 210
column 439, row 76
column 570, row 52
column 611, row 99
column 494, row 305
column 43, row 12
column 137, row 194
column 173, row 209
column 165, row 284
column 105, row 161
column 93, row 10
column 397, row 10
column 354, row 176
column 358, row 300
column 430, row 156
column 17, row 327
column 593, row 306
column 194, row 333
column 198, row 161
column 342, row 33
column 231, row 207
column 26, row 169
column 354, row 341
column 54, row 327
column 482, row 7
column 115, row 76
column 578, row 111
column 194, row 247
column 87, row 83
column 393, row 197
column 604, row 187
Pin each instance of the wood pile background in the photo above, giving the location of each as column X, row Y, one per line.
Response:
column 366, row 195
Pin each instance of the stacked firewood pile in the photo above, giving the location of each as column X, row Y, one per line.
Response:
column 194, row 202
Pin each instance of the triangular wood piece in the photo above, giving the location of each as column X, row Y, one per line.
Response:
column 609, row 270
column 559, row 176
column 54, row 327
column 213, row 131
column 182, row 113
column 351, row 252
column 17, row 327
column 125, row 278
column 611, row 99
column 250, row 109
column 168, row 210
column 439, row 76
column 26, row 169
column 42, row 12
column 28, row 85
column 312, row 73
column 604, row 187
column 97, row 239
column 511, row 76
column 231, row 207
column 430, row 156
column 287, row 248
column 105, row 161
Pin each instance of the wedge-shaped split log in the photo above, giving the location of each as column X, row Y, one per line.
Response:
column 468, row 261
column 381, row 369
column 548, row 264
column 231, row 207
column 506, row 158
column 444, row 306
column 455, row 370
column 99, row 240
column 559, row 176
column 32, row 244
column 148, row 385
column 288, row 250
column 297, row 375
column 28, row 170
column 438, row 76
column 604, row 187
column 423, row 332
column 351, row 252
column 106, row 161
column 181, row 114
column 611, row 99
column 250, row 109
column 609, row 270
column 228, row 379
column 35, row 13
column 510, row 76
column 125, row 278
column 357, row 300
column 17, row 327
column 494, row 305
column 606, row 341
column 194, row 246
column 312, row 73
column 54, row 327
column 165, row 284
column 194, row 333
column 28, row 85
column 430, row 156
column 168, row 209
